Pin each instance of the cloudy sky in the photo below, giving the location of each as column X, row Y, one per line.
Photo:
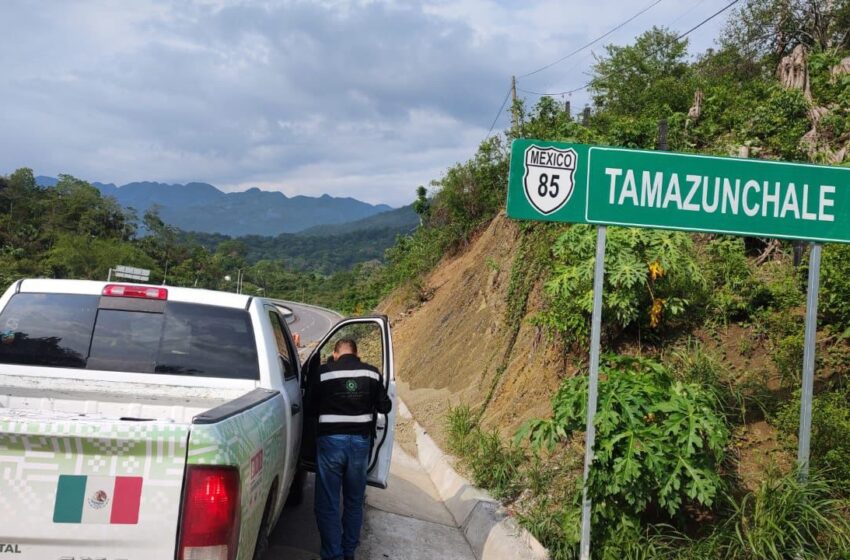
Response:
column 363, row 98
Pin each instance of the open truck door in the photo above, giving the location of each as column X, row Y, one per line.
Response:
column 374, row 344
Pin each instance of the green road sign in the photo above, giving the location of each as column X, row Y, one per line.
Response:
column 576, row 183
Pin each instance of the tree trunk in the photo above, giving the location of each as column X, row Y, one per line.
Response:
column 793, row 72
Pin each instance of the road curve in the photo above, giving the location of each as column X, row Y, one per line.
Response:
column 311, row 322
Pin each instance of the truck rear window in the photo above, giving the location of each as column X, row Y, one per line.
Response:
column 65, row 330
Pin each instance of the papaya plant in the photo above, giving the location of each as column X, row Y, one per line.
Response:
column 659, row 441
column 651, row 276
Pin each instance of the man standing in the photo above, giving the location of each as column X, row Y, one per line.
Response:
column 348, row 394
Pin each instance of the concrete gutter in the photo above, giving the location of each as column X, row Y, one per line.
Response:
column 490, row 531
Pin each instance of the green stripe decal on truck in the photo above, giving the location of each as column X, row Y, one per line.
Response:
column 99, row 500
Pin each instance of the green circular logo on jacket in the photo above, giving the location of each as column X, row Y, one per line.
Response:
column 351, row 385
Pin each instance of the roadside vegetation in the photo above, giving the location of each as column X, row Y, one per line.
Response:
column 698, row 409
column 699, row 402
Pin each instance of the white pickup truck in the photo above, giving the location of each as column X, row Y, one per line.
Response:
column 144, row 422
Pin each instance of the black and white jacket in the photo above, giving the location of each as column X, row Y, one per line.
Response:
column 345, row 395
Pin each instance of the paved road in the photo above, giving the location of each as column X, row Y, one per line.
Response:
column 405, row 522
column 312, row 323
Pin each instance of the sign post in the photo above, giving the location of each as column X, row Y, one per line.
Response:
column 592, row 386
column 806, row 394
column 577, row 183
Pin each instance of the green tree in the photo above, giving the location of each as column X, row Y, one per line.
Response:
column 650, row 78
column 421, row 205
column 772, row 28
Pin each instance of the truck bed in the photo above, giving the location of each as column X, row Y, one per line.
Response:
column 37, row 398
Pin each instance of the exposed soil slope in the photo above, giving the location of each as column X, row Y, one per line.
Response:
column 455, row 347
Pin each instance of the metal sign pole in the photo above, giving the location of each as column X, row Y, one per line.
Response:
column 592, row 385
column 809, row 362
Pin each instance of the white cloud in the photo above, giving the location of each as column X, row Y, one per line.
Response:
column 347, row 97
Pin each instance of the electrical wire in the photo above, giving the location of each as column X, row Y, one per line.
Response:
column 683, row 35
column 593, row 42
column 685, row 13
column 708, row 19
column 499, row 114
column 538, row 93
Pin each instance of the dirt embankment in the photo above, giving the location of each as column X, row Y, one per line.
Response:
column 456, row 348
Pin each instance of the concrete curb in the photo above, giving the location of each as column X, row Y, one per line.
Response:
column 491, row 533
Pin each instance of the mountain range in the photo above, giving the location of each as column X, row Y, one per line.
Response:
column 204, row 208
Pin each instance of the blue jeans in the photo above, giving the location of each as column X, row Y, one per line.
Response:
column 341, row 463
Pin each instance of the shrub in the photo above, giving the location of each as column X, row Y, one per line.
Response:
column 658, row 442
column 693, row 364
column 495, row 464
column 556, row 524
column 835, row 295
column 830, row 444
column 730, row 274
column 780, row 121
column 788, row 357
column 783, row 519
column 650, row 278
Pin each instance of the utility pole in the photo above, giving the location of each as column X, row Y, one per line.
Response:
column 513, row 101
column 662, row 136
column 567, row 109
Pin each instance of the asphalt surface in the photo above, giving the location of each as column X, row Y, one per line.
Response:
column 407, row 521
column 312, row 323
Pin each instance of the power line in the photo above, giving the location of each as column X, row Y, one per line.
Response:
column 708, row 19
column 593, row 42
column 579, row 62
column 683, row 35
column 685, row 13
column 499, row 114
column 539, row 93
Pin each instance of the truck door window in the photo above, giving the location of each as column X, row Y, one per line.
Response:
column 282, row 346
column 369, row 340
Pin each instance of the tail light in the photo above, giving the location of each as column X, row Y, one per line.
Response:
column 147, row 292
column 210, row 519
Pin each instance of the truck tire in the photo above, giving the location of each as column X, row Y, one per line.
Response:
column 262, row 545
column 296, row 491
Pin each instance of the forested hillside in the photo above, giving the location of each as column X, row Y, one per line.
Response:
column 203, row 207
column 324, row 249
column 69, row 230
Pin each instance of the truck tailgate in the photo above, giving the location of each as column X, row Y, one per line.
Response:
column 74, row 488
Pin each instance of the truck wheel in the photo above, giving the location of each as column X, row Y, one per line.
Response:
column 262, row 545
column 296, row 491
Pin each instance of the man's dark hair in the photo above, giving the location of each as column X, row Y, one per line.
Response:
column 345, row 343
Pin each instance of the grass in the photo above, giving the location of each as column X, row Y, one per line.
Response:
column 460, row 424
column 739, row 397
column 493, row 464
column 786, row 518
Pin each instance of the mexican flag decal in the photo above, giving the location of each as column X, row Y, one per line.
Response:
column 99, row 500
